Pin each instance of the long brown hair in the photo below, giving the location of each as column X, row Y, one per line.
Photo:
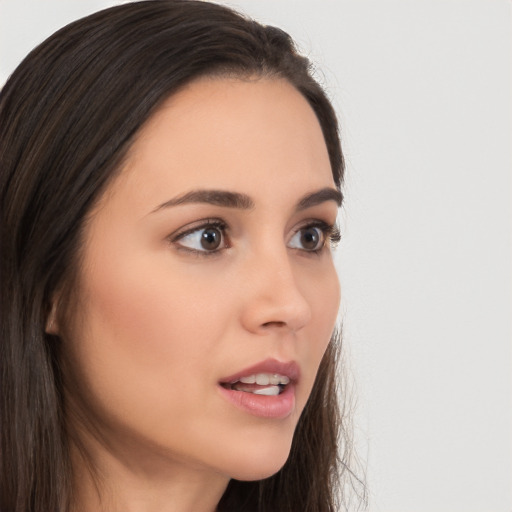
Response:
column 68, row 115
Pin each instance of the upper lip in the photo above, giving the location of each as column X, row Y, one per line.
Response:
column 289, row 369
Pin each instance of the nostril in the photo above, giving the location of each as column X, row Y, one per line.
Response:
column 274, row 324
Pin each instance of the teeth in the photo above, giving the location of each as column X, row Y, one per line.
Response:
column 264, row 379
column 251, row 379
column 270, row 391
column 275, row 379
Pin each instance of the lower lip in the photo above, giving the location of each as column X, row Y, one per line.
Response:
column 275, row 407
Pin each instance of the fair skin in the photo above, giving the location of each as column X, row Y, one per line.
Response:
column 167, row 310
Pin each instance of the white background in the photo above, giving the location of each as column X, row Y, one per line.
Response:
column 423, row 90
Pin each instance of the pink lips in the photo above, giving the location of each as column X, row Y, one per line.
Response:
column 276, row 407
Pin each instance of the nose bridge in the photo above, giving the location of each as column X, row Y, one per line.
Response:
column 275, row 298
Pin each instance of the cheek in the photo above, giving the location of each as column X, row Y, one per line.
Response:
column 323, row 294
column 324, row 298
column 133, row 312
column 142, row 336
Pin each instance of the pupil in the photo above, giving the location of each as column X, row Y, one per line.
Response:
column 210, row 239
column 310, row 239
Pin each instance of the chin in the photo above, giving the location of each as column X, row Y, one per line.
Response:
column 252, row 473
column 260, row 461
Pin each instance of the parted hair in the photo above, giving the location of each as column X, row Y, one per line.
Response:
column 68, row 115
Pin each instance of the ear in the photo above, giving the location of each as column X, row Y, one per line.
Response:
column 52, row 326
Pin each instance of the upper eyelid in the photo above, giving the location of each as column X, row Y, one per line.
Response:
column 220, row 223
column 330, row 231
column 312, row 222
column 328, row 227
column 197, row 226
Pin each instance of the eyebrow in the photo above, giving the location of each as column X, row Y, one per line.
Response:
column 215, row 197
column 321, row 196
column 244, row 202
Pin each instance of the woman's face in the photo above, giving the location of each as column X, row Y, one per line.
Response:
column 207, row 261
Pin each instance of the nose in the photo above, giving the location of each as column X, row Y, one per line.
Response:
column 273, row 299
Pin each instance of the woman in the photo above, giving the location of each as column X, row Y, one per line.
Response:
column 170, row 177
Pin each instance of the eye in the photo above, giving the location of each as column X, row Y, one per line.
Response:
column 314, row 237
column 207, row 238
column 308, row 238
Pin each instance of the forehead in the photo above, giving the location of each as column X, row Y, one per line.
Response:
column 229, row 133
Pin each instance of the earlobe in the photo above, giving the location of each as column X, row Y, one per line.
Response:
column 52, row 326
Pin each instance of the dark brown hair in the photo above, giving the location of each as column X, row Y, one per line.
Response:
column 68, row 115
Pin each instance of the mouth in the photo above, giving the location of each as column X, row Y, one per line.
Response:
column 266, row 389
column 268, row 384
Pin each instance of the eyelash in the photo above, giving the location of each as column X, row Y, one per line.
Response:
column 208, row 223
column 330, row 233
